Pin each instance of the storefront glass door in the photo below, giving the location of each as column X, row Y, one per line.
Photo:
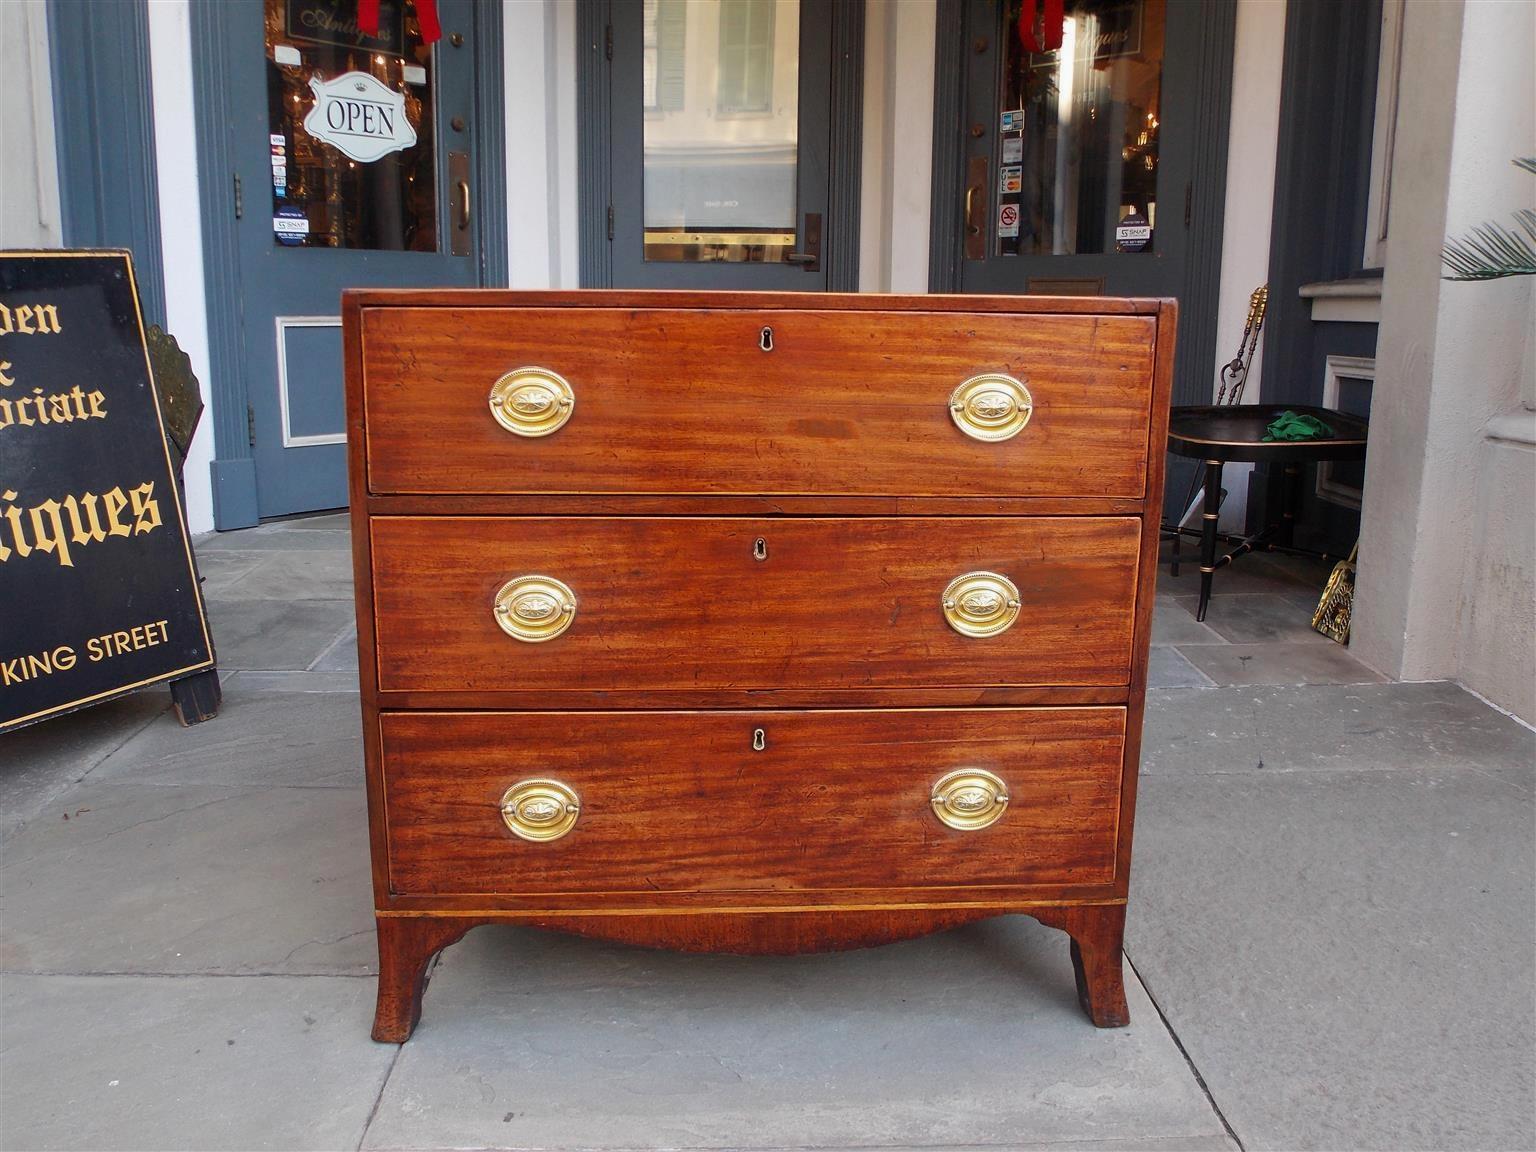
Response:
column 1079, row 146
column 719, row 129
column 353, row 155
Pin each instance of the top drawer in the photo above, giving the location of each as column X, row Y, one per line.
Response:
column 680, row 401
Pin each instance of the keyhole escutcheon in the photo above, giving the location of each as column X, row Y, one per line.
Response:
column 765, row 339
column 759, row 549
column 759, row 739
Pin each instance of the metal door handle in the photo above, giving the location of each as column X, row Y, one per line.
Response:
column 458, row 195
column 463, row 190
column 810, row 259
column 976, row 184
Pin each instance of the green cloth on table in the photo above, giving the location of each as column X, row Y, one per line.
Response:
column 1294, row 426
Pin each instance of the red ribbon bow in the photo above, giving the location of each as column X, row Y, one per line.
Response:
column 1050, row 38
column 426, row 16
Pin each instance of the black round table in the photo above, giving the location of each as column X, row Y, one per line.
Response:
column 1217, row 434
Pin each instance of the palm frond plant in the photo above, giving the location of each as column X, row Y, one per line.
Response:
column 1492, row 251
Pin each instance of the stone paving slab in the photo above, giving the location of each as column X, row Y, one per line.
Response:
column 276, row 635
column 40, row 762
column 290, row 575
column 251, row 682
column 219, row 570
column 341, row 656
column 1346, row 956
column 133, row 1062
column 1248, row 575
column 304, row 739
column 324, row 521
column 1171, row 1144
column 198, row 878
column 1266, row 618
column 1170, row 668
column 275, row 537
column 534, row 1040
column 1370, row 726
column 1173, row 623
column 1279, row 664
column 1168, row 1144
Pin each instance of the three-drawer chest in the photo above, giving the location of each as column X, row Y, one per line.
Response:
column 752, row 622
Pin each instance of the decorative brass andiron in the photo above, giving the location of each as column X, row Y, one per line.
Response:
column 1333, row 610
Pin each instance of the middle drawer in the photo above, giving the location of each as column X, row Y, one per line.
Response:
column 640, row 604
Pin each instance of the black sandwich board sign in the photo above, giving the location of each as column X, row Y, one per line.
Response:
column 98, row 592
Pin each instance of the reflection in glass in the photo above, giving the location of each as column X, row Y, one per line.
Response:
column 1079, row 119
column 320, row 197
column 722, row 110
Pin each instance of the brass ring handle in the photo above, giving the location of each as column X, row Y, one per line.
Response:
column 992, row 407
column 981, row 603
column 534, row 608
column 969, row 798
column 532, row 401
column 540, row 809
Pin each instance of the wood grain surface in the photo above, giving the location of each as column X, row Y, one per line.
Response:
column 687, row 443
column 672, row 401
column 683, row 604
column 682, row 802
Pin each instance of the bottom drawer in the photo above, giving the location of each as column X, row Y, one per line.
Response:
column 668, row 802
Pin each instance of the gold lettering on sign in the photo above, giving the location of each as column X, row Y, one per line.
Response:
column 29, row 320
column 63, row 657
column 39, row 407
column 50, row 407
column 53, row 526
column 36, row 664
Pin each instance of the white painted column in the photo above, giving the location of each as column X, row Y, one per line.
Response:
column 910, row 85
column 539, row 78
column 897, row 165
column 1252, row 143
column 1447, row 580
column 181, row 232
column 29, row 181
column 874, row 167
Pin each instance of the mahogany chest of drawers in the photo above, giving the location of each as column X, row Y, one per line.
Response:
column 752, row 622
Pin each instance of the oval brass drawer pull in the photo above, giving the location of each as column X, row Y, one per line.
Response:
column 993, row 406
column 534, row 608
column 532, row 401
column 540, row 809
column 981, row 604
column 970, row 798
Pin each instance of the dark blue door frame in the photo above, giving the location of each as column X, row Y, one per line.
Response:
column 104, row 133
column 234, row 465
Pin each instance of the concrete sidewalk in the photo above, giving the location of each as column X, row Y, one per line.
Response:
column 1331, row 943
